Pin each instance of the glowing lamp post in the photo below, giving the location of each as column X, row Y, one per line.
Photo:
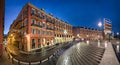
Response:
column 87, row 39
column 11, row 39
column 118, row 35
column 100, row 25
column 11, row 35
column 117, row 48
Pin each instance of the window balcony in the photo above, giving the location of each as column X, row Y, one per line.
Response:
column 37, row 25
column 39, row 16
column 21, row 27
column 50, row 21
column 49, row 28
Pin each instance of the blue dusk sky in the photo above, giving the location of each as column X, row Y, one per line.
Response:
column 86, row 13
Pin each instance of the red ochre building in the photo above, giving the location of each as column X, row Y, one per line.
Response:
column 34, row 29
column 2, row 6
column 87, row 33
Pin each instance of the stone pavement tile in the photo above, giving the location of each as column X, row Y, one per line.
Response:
column 109, row 57
column 4, row 59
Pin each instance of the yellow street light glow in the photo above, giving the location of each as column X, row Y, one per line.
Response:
column 87, row 35
column 98, row 36
column 78, row 35
column 65, row 32
column 11, row 34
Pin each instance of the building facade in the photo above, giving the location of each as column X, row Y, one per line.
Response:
column 2, row 6
column 87, row 33
column 33, row 29
column 107, row 28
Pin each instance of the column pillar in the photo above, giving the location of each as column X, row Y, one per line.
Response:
column 29, row 29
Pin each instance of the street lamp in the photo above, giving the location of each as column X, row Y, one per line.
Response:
column 65, row 32
column 100, row 24
column 78, row 35
column 112, row 34
column 11, row 35
column 117, row 48
column 117, row 34
column 87, row 37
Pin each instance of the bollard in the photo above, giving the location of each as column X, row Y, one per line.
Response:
column 18, row 62
column 48, row 58
column 12, row 61
column 29, row 63
column 39, row 63
column 53, row 54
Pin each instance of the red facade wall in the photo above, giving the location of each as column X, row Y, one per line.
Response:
column 1, row 46
column 1, row 24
